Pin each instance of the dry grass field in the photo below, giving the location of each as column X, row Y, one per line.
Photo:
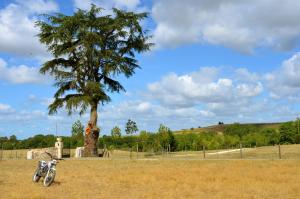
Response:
column 109, row 178
column 267, row 152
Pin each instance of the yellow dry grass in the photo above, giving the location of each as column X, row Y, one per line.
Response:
column 94, row 178
column 267, row 152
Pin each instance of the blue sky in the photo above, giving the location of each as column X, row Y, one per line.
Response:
column 230, row 61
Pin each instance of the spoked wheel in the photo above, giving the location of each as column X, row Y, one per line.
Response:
column 49, row 178
column 36, row 177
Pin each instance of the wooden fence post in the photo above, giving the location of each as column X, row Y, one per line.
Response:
column 130, row 152
column 203, row 148
column 241, row 150
column 1, row 151
column 137, row 151
column 279, row 151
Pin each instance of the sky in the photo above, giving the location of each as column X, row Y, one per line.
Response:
column 229, row 61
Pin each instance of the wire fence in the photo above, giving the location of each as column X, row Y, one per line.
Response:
column 266, row 152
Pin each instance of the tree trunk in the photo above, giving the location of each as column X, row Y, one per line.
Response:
column 91, row 139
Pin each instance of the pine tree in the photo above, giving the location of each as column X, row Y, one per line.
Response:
column 90, row 50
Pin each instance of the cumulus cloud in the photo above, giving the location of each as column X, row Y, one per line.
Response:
column 21, row 74
column 200, row 87
column 149, row 115
column 241, row 25
column 249, row 90
column 285, row 82
column 38, row 6
column 242, row 74
column 107, row 4
column 6, row 109
column 17, row 27
column 8, row 115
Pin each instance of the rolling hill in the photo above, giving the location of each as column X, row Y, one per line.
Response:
column 221, row 127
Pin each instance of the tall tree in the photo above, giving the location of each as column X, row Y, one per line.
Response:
column 287, row 133
column 131, row 127
column 166, row 137
column 116, row 132
column 77, row 134
column 90, row 50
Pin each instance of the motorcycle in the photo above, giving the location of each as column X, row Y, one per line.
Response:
column 47, row 170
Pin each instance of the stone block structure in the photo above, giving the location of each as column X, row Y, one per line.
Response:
column 56, row 151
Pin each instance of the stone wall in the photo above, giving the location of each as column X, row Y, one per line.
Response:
column 41, row 153
column 56, row 152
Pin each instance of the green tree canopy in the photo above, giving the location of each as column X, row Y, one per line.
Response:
column 77, row 129
column 90, row 50
column 166, row 137
column 77, row 134
column 131, row 127
column 288, row 133
column 116, row 132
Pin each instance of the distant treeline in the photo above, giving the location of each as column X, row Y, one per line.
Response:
column 164, row 138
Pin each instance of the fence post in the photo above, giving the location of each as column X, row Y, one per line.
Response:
column 203, row 149
column 241, row 150
column 130, row 152
column 137, row 151
column 279, row 151
column 1, row 151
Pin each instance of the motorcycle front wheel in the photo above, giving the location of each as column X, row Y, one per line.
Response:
column 36, row 177
column 49, row 178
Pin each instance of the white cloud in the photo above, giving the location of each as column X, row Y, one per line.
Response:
column 38, row 6
column 200, row 87
column 17, row 27
column 249, row 90
column 47, row 101
column 241, row 25
column 242, row 74
column 6, row 109
column 21, row 74
column 149, row 115
column 285, row 82
column 83, row 4
column 130, row 4
column 107, row 4
column 9, row 115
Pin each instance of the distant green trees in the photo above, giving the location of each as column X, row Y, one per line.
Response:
column 165, row 139
column 116, row 132
column 77, row 137
column 240, row 130
column 289, row 132
column 37, row 141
